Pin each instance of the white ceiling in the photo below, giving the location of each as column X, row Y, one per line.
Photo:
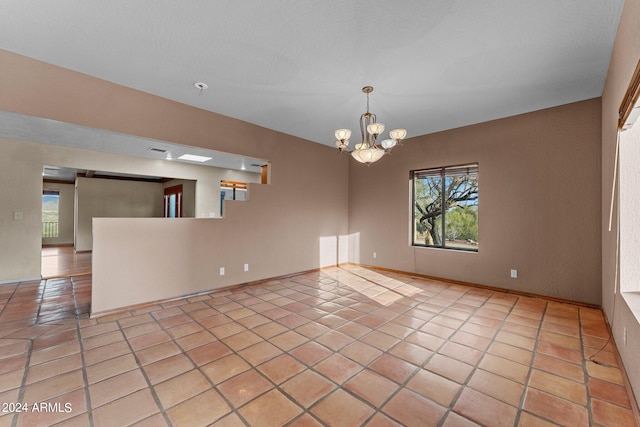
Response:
column 298, row 66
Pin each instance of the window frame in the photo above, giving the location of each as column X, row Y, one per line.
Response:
column 50, row 232
column 413, row 175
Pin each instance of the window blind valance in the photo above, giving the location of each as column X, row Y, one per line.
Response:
column 450, row 171
column 627, row 114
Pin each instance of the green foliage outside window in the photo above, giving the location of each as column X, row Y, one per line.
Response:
column 445, row 212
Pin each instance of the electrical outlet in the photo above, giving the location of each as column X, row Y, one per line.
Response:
column 624, row 336
column 246, row 267
column 222, row 271
column 375, row 255
column 514, row 274
column 17, row 215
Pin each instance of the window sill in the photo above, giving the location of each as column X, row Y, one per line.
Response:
column 633, row 301
column 464, row 251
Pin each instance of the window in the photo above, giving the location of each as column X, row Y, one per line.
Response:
column 50, row 203
column 445, row 207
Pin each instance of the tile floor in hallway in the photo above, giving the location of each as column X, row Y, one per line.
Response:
column 345, row 346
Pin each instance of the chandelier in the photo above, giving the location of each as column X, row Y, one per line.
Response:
column 368, row 150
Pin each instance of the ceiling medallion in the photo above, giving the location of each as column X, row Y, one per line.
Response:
column 368, row 150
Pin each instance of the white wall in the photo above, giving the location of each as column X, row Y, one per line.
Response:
column 65, row 213
column 20, row 192
column 630, row 209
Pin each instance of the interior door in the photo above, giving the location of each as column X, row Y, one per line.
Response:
column 173, row 202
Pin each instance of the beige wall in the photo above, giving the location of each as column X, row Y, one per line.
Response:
column 539, row 199
column 65, row 213
column 112, row 198
column 278, row 231
column 619, row 310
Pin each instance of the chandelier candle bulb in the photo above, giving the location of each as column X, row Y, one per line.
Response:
column 398, row 134
column 368, row 150
column 375, row 129
column 388, row 144
column 343, row 134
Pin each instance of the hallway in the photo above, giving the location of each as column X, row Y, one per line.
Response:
column 63, row 261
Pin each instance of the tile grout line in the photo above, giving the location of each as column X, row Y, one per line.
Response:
column 284, row 352
column 424, row 363
column 311, row 368
column 87, row 396
column 328, row 290
column 41, row 299
column 23, row 384
column 525, row 390
column 9, row 298
column 197, row 367
column 585, row 370
column 144, row 374
column 335, row 352
column 305, row 411
column 428, row 359
column 276, row 386
column 386, row 352
column 484, row 353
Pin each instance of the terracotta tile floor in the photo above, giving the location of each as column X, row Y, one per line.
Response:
column 341, row 347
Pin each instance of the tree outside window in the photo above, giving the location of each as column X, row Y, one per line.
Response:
column 445, row 207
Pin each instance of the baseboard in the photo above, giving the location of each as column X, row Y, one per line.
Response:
column 481, row 286
column 116, row 311
column 26, row 279
column 627, row 384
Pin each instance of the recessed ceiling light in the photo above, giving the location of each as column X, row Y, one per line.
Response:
column 194, row 158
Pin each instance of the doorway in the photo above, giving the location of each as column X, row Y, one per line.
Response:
column 173, row 202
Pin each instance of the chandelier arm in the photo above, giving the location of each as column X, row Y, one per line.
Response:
column 373, row 137
column 363, row 128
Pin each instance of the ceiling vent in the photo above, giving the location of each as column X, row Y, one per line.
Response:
column 157, row 150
